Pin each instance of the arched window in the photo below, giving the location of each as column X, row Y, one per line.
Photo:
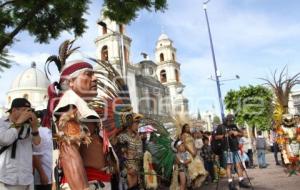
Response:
column 9, row 99
column 163, row 76
column 152, row 104
column 161, row 56
column 121, row 29
column 104, row 29
column 173, row 56
column 104, row 53
column 25, row 96
column 177, row 75
column 126, row 54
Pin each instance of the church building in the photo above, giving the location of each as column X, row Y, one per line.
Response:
column 155, row 86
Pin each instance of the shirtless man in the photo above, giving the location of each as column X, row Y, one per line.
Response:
column 82, row 156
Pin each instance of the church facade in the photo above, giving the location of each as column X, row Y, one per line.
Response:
column 155, row 87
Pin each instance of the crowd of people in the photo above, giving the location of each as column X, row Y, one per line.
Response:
column 227, row 148
column 26, row 151
column 110, row 154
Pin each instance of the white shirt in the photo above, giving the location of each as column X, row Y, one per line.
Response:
column 44, row 150
column 198, row 143
column 247, row 145
column 17, row 171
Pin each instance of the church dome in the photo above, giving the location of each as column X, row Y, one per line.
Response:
column 30, row 78
column 163, row 37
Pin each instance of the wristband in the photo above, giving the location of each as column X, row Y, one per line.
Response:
column 35, row 133
column 14, row 125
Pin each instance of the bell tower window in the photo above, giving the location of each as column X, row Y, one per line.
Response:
column 104, row 53
column 126, row 54
column 104, row 30
column 121, row 29
column 177, row 75
column 161, row 56
column 173, row 56
column 163, row 76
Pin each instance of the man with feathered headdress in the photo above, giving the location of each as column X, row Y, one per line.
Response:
column 130, row 151
column 85, row 154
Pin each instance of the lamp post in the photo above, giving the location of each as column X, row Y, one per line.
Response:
column 123, row 64
column 223, row 80
column 214, row 61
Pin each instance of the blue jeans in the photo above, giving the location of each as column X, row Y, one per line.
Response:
column 261, row 157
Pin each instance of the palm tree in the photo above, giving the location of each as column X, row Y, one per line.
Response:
column 4, row 61
column 282, row 86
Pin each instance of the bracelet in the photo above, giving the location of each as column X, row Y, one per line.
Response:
column 35, row 133
column 14, row 125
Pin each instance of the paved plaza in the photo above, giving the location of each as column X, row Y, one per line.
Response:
column 272, row 178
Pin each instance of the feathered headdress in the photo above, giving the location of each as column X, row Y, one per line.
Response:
column 160, row 147
column 115, row 108
column 65, row 50
column 113, row 104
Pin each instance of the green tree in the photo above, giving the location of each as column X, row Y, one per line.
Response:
column 43, row 19
column 4, row 61
column 251, row 104
column 46, row 19
column 216, row 120
column 124, row 11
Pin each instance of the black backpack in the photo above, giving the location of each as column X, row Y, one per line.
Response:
column 217, row 146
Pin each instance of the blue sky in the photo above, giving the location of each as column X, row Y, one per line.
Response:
column 251, row 39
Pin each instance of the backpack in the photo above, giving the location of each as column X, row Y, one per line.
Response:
column 217, row 146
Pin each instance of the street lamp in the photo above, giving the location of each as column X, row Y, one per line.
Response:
column 123, row 65
column 214, row 61
column 223, row 80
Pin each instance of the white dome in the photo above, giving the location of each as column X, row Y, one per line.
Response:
column 163, row 37
column 30, row 78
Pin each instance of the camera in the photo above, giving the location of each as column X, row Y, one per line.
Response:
column 39, row 114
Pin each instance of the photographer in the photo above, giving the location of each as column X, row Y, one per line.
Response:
column 229, row 134
column 17, row 135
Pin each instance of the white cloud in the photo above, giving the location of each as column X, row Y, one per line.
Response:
column 26, row 59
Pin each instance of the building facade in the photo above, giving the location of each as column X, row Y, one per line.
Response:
column 31, row 84
column 155, row 86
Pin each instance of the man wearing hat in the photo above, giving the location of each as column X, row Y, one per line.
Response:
column 230, row 134
column 130, row 152
column 17, row 135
